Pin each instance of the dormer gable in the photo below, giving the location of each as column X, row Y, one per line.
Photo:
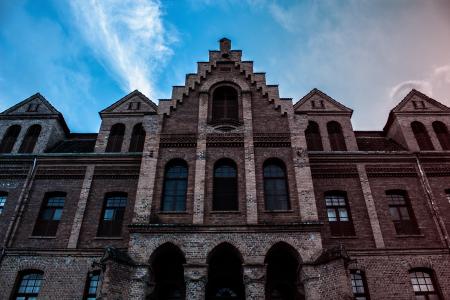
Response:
column 133, row 103
column 317, row 102
column 417, row 102
column 34, row 105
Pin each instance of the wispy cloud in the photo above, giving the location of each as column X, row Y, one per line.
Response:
column 128, row 36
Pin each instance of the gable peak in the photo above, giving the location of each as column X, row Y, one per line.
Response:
column 317, row 101
column 134, row 102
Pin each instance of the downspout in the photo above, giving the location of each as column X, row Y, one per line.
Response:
column 19, row 209
column 434, row 208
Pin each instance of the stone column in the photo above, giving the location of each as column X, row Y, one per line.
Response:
column 249, row 152
column 255, row 281
column 200, row 160
column 81, row 207
column 195, row 277
column 370, row 205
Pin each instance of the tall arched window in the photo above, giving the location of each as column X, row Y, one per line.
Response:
column 30, row 139
column 175, row 186
column 9, row 139
column 225, row 104
column 337, row 140
column 225, row 190
column 28, row 285
column 424, row 284
column 137, row 138
column 421, row 135
column 442, row 134
column 276, row 191
column 115, row 138
column 313, row 138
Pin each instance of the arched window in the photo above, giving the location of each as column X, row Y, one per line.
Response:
column 225, row 190
column 442, row 134
column 424, row 284
column 137, row 138
column 401, row 212
column 3, row 196
column 50, row 214
column 113, row 214
column 30, row 139
column 115, row 138
column 276, row 191
column 359, row 285
column 337, row 140
column 421, row 135
column 90, row 290
column 175, row 186
column 225, row 104
column 9, row 139
column 338, row 213
column 313, row 138
column 28, row 285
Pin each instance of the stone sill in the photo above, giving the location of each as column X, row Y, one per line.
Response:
column 42, row 237
column 278, row 211
column 173, row 213
column 346, row 237
column 218, row 212
column 402, row 236
column 108, row 238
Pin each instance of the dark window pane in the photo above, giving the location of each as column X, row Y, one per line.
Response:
column 421, row 135
column 313, row 137
column 175, row 187
column 338, row 214
column 29, row 286
column 50, row 215
column 336, row 137
column 115, row 138
column 137, row 138
column 112, row 215
column 401, row 213
column 225, row 104
column 225, row 194
column 9, row 139
column 275, row 186
column 30, row 139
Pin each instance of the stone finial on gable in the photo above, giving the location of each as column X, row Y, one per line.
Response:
column 225, row 45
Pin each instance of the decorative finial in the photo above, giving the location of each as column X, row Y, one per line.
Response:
column 225, row 45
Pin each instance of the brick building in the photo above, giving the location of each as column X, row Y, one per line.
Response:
column 225, row 191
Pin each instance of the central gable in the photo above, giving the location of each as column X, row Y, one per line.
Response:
column 317, row 101
column 133, row 103
column 417, row 102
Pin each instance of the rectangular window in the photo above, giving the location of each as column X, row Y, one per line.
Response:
column 401, row 213
column 50, row 215
column 338, row 213
column 92, row 282
column 134, row 105
column 2, row 201
column 112, row 215
column 359, row 285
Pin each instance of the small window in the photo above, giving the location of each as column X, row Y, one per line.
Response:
column 175, row 186
column 313, row 137
column 3, row 196
column 33, row 107
column 50, row 214
column 113, row 214
column 28, row 285
column 225, row 189
column 442, row 134
column 115, row 139
column 275, row 185
column 338, row 213
column 92, row 282
column 30, row 139
column 137, row 138
column 401, row 212
column 9, row 139
column 424, row 284
column 134, row 105
column 421, row 135
column 359, row 285
column 225, row 104
column 336, row 137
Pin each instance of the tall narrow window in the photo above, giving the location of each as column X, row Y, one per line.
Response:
column 401, row 212
column 275, row 185
column 225, row 104
column 90, row 292
column 338, row 213
column 50, row 214
column 313, row 138
column 337, row 140
column 175, row 186
column 421, row 135
column 225, row 194
column 113, row 213
column 9, row 139
column 424, row 284
column 359, row 285
column 137, row 138
column 442, row 134
column 28, row 285
column 30, row 139
column 3, row 196
column 115, row 138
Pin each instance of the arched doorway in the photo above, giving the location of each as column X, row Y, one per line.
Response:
column 282, row 274
column 225, row 274
column 168, row 273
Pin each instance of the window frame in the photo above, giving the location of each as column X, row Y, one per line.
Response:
column 113, row 227
column 338, row 227
column 402, row 226
column 20, row 278
column 215, row 117
column 279, row 163
column 3, row 199
column 49, row 227
column 87, row 287
column 174, row 163
column 357, row 295
column 220, row 184
column 433, row 280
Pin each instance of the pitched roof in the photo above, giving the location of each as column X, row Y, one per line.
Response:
column 321, row 94
column 134, row 93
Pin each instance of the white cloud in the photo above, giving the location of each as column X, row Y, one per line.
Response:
column 128, row 37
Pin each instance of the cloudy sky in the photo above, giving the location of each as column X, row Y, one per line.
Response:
column 83, row 55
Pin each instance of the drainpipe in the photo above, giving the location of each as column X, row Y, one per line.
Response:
column 12, row 228
column 434, row 208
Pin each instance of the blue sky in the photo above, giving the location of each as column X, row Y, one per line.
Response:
column 84, row 55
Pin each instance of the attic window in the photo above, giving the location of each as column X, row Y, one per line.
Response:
column 419, row 104
column 315, row 106
column 134, row 105
column 33, row 107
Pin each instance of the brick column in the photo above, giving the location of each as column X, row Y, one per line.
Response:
column 255, row 281
column 146, row 184
column 249, row 152
column 200, row 160
column 195, row 277
column 81, row 207
column 370, row 204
